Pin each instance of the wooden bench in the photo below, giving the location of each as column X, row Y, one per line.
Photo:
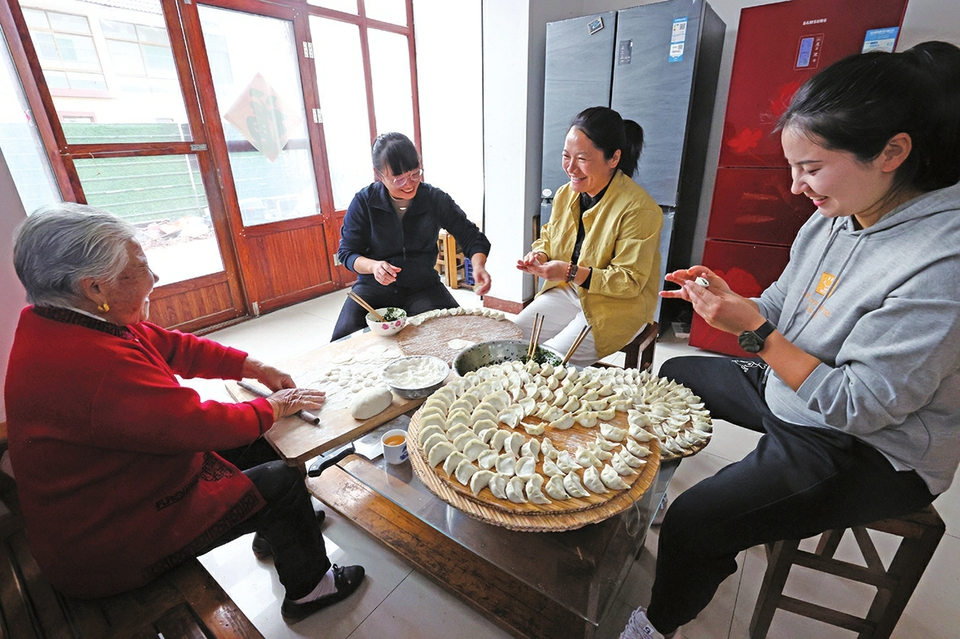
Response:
column 184, row 603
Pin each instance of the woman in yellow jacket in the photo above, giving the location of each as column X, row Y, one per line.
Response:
column 600, row 251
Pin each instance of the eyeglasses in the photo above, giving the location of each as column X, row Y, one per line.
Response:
column 401, row 180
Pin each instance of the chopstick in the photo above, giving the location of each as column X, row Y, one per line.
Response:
column 535, row 335
column 260, row 392
column 576, row 344
column 359, row 300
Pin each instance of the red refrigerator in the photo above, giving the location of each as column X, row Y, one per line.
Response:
column 753, row 216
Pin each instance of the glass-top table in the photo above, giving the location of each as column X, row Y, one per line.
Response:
column 578, row 572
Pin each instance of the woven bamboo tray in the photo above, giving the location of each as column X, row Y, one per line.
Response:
column 557, row 516
column 433, row 337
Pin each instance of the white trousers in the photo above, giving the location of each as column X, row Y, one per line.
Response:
column 563, row 320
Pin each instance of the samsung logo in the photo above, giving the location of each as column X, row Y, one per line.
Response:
column 817, row 21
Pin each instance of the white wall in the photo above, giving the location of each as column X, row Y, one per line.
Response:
column 449, row 75
column 11, row 292
column 513, row 40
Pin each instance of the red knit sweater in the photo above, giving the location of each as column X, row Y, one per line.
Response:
column 110, row 451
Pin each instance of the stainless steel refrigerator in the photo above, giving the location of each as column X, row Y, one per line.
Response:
column 656, row 64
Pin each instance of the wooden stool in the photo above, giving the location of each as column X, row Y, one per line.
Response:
column 920, row 531
column 644, row 344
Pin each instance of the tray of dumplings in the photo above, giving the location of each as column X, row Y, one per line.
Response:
column 533, row 447
column 444, row 333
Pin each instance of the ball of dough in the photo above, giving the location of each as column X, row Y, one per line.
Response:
column 371, row 401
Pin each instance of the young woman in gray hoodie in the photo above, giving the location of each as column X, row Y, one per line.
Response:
column 857, row 385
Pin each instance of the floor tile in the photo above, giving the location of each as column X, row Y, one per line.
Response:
column 420, row 609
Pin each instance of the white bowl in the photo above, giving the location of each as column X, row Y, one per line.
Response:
column 415, row 376
column 389, row 327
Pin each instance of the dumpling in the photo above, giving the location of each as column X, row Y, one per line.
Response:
column 598, row 451
column 531, row 449
column 564, row 422
column 483, row 424
column 474, row 448
column 487, row 459
column 526, row 467
column 432, row 441
column 586, row 458
column 611, row 479
column 534, row 490
column 458, row 418
column 620, row 465
column 463, row 403
column 506, row 464
column 450, row 465
column 480, row 480
column 426, row 433
column 483, row 412
column 465, row 470
column 515, row 489
column 433, row 419
column 612, row 433
column 511, row 415
column 499, row 439
column 639, row 433
column 637, row 450
column 457, row 431
column 604, row 444
column 592, row 481
column 498, row 485
column 554, row 488
column 534, row 429
column 514, row 443
column 587, row 418
column 529, row 406
column 572, row 405
column 566, row 462
column 440, row 452
column 445, row 395
column 548, row 449
column 571, row 483
column 550, row 469
column 461, row 441
column 499, row 400
column 606, row 414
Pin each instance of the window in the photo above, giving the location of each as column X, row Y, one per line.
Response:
column 66, row 50
column 141, row 56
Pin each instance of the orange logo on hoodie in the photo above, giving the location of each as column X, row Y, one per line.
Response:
column 825, row 283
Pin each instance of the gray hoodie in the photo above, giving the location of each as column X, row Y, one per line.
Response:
column 880, row 307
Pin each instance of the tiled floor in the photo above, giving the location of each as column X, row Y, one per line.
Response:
column 397, row 602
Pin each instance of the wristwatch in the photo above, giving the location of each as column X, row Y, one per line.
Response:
column 753, row 341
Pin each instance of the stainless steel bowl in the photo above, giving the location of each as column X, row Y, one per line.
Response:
column 429, row 384
column 497, row 352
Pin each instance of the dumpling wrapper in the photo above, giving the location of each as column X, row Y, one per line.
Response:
column 571, row 483
column 440, row 452
column 450, row 465
column 465, row 470
column 480, row 480
column 534, row 490
column 515, row 489
column 611, row 479
column 592, row 481
column 554, row 488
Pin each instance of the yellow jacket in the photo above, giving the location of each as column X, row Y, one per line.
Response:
column 622, row 245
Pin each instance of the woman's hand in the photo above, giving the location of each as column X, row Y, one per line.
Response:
column 269, row 376
column 481, row 278
column 289, row 401
column 719, row 306
column 384, row 272
column 531, row 260
column 554, row 270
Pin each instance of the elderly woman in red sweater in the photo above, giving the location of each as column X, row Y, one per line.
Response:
column 113, row 457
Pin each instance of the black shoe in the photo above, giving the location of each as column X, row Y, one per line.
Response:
column 261, row 547
column 346, row 579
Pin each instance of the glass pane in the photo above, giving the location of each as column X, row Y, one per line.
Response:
column 392, row 87
column 343, row 99
column 393, row 11
column 20, row 141
column 347, row 6
column 123, row 55
column 263, row 116
column 163, row 197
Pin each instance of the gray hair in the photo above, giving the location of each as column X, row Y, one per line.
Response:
column 60, row 244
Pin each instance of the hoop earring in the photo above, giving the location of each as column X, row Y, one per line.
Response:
column 104, row 308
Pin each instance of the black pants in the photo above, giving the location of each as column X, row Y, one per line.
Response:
column 290, row 526
column 413, row 301
column 798, row 482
